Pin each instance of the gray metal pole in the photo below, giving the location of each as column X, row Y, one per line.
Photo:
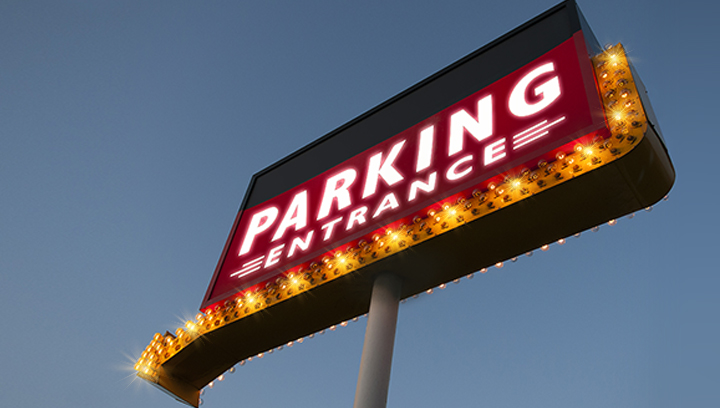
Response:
column 376, row 360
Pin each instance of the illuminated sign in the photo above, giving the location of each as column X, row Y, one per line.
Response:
column 513, row 122
column 531, row 139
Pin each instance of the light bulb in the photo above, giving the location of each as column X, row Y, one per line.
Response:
column 561, row 241
column 528, row 253
column 499, row 265
column 612, row 222
column 545, row 247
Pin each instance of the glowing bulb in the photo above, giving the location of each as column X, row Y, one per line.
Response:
column 333, row 327
column 499, row 265
column 612, row 222
column 483, row 270
column 221, row 377
column 199, row 316
column 344, row 324
column 290, row 344
column 648, row 209
column 231, row 370
column 513, row 259
column 595, row 229
column 528, row 254
column 442, row 286
column 261, row 355
column 545, row 247
column 211, row 384
column 577, row 235
column 456, row 281
column 561, row 241
column 470, row 276
column 300, row 340
column 429, row 291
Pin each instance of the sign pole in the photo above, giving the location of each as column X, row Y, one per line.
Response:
column 376, row 360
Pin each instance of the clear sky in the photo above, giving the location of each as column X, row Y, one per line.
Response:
column 128, row 134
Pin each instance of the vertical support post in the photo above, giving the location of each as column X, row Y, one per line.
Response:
column 376, row 360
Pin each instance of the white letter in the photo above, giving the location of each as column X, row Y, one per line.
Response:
column 378, row 168
column 425, row 148
column 419, row 185
column 295, row 215
column 388, row 202
column 495, row 151
column 357, row 215
column 297, row 243
column 480, row 129
column 329, row 228
column 550, row 90
column 259, row 222
column 274, row 256
column 452, row 173
column 336, row 187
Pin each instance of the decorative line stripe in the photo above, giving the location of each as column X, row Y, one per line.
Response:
column 248, row 267
column 533, row 133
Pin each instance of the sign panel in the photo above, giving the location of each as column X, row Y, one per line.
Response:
column 525, row 141
column 513, row 122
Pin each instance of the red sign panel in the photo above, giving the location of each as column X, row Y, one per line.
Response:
column 509, row 124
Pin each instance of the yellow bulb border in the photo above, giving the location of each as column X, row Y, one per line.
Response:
column 626, row 120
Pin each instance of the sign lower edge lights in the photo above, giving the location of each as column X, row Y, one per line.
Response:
column 182, row 363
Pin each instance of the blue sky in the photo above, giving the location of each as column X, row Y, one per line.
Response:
column 129, row 132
